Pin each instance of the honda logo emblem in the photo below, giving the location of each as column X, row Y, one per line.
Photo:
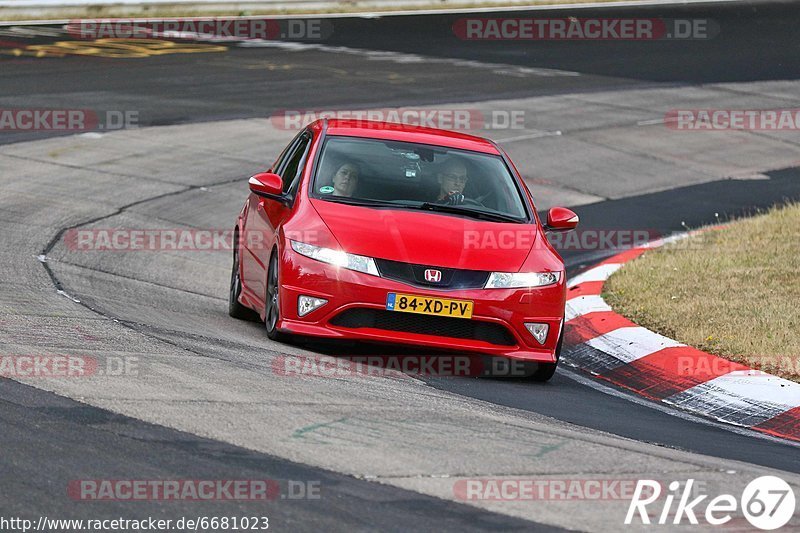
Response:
column 433, row 276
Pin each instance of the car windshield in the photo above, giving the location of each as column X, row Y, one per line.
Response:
column 386, row 173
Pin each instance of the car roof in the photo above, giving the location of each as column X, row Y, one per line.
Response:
column 405, row 132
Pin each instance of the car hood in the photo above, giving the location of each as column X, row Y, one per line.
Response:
column 426, row 238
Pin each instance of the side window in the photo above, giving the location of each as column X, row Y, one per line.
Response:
column 282, row 159
column 295, row 163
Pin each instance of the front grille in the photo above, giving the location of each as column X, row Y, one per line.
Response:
column 452, row 278
column 441, row 326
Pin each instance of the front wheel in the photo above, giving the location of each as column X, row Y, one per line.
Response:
column 272, row 304
column 545, row 371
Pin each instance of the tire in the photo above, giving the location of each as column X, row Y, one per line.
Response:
column 272, row 303
column 545, row 371
column 236, row 309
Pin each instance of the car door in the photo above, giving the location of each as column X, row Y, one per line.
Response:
column 265, row 215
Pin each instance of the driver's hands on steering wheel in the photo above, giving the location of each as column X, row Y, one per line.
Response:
column 454, row 198
column 458, row 198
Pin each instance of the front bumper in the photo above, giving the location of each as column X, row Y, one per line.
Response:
column 353, row 297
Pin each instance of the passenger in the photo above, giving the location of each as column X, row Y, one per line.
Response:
column 345, row 180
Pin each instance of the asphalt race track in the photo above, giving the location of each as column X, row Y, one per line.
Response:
column 206, row 401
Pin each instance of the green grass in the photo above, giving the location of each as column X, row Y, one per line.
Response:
column 733, row 292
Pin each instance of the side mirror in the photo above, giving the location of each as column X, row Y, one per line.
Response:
column 266, row 184
column 561, row 219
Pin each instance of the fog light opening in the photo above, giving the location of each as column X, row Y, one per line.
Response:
column 538, row 330
column 306, row 304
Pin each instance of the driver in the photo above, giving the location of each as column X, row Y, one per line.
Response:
column 345, row 180
column 452, row 180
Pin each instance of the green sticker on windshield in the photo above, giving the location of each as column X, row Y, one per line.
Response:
column 327, row 189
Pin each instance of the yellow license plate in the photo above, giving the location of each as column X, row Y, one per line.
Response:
column 425, row 305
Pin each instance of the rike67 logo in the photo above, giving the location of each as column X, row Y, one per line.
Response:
column 767, row 502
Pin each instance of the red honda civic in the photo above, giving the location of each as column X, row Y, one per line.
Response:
column 392, row 233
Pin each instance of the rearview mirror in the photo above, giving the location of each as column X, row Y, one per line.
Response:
column 561, row 219
column 266, row 184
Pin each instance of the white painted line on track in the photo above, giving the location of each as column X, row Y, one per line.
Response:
column 537, row 135
column 650, row 122
column 406, row 58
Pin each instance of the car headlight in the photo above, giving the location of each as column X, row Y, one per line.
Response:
column 508, row 280
column 338, row 258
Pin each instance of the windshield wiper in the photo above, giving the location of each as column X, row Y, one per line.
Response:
column 458, row 210
column 428, row 206
column 357, row 201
